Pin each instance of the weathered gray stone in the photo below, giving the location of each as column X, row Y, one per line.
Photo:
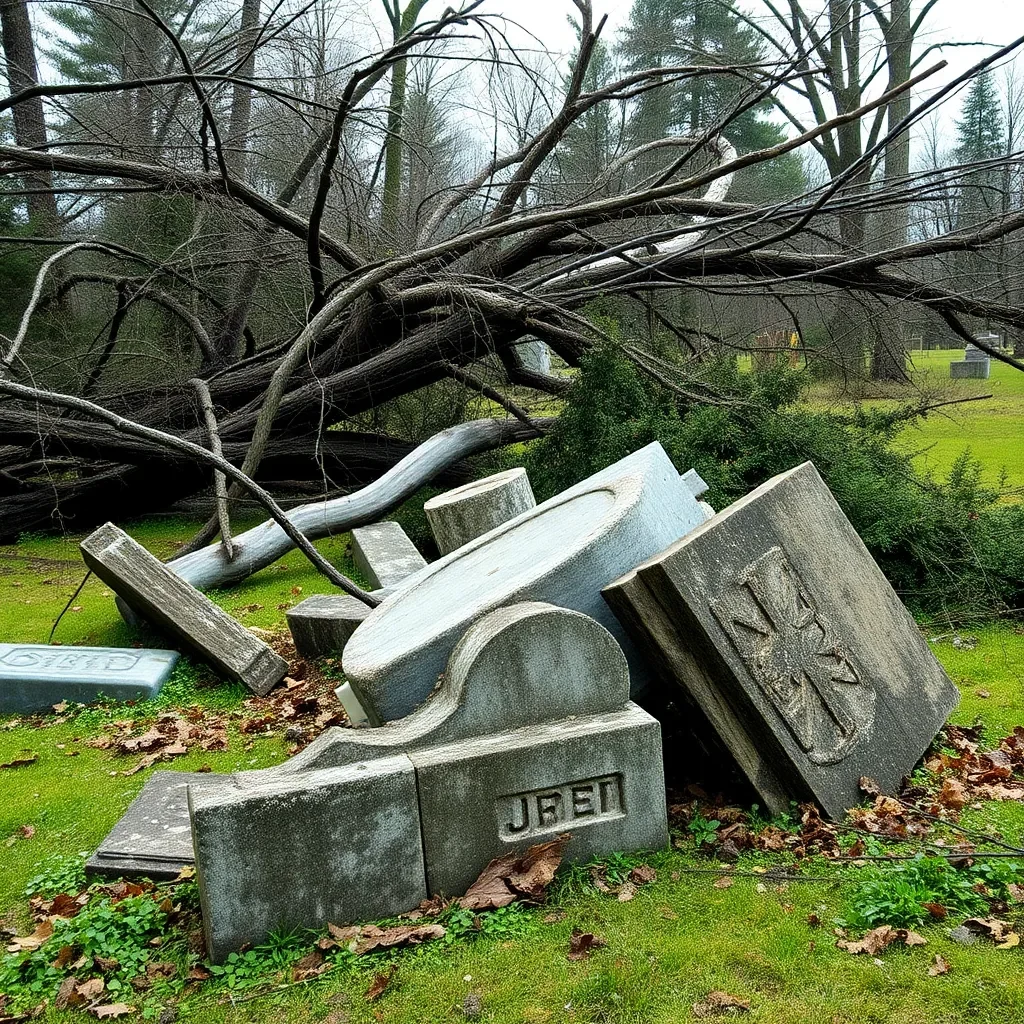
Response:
column 598, row 778
column 384, row 554
column 524, row 665
column 535, row 355
column 170, row 603
column 972, row 352
column 775, row 623
column 695, row 483
column 563, row 551
column 465, row 513
column 329, row 846
column 33, row 677
column 154, row 838
column 971, row 369
column 322, row 624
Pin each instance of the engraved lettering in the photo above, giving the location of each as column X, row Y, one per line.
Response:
column 549, row 808
column 521, row 810
column 555, row 808
column 583, row 801
column 71, row 661
column 796, row 658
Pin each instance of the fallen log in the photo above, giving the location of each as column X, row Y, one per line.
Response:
column 257, row 548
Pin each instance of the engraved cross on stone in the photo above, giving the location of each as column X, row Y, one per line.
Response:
column 795, row 656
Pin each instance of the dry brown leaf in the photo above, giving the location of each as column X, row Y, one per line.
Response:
column 719, row 1004
column 725, row 882
column 953, row 795
column 513, row 877
column 111, row 1010
column 626, row 892
column 940, row 965
column 310, row 966
column 582, row 944
column 643, row 874
column 373, row 938
column 92, row 988
column 1016, row 892
column 346, row 934
column 937, row 910
column 991, row 927
column 879, row 939
column 198, row 973
column 380, row 984
column 42, row 932
column 68, row 995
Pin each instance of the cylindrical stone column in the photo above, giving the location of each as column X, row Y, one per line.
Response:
column 459, row 516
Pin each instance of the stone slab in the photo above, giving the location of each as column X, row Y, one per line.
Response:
column 384, row 554
column 524, row 665
column 153, row 839
column 34, row 677
column 174, row 606
column 972, row 352
column 971, row 369
column 562, row 552
column 322, row 624
column 695, row 483
column 331, row 846
column 465, row 513
column 775, row 622
column 598, row 778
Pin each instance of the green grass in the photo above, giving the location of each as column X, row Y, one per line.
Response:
column 679, row 939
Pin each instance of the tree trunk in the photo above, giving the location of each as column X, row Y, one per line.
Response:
column 241, row 96
column 29, row 118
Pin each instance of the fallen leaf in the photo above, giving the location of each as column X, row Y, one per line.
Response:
column 626, row 892
column 582, row 944
column 940, row 965
column 92, row 988
column 724, row 883
column 879, row 939
column 643, row 874
column 953, row 794
column 719, row 1004
column 1011, row 941
column 20, row 762
column 67, row 955
column 813, row 920
column 111, row 1010
column 380, row 984
column 107, row 964
column 310, row 966
column 937, row 910
column 373, row 938
column 68, row 995
column 1016, row 892
column 515, row 876
column 42, row 932
column 198, row 973
column 991, row 927
column 345, row 934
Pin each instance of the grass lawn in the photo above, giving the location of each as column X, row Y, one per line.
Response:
column 680, row 938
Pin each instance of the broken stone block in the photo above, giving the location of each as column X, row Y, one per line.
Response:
column 153, row 839
column 465, row 513
column 174, row 606
column 519, row 666
column 322, row 624
column 775, row 624
column 563, row 551
column 34, row 677
column 384, row 554
column 597, row 777
column 297, row 852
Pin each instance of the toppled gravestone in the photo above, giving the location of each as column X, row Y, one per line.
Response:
column 465, row 513
column 34, row 677
column 530, row 734
column 384, row 554
column 323, row 623
column 563, row 551
column 168, row 602
column 774, row 622
column 153, row 839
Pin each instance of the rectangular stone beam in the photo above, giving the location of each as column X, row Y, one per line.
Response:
column 384, row 554
column 171, row 604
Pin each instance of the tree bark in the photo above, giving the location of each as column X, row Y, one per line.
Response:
column 29, row 117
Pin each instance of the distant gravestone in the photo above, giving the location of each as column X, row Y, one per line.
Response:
column 778, row 626
column 465, row 513
column 167, row 601
column 322, row 624
column 154, row 838
column 971, row 369
column 530, row 735
column 33, row 677
column 563, row 551
column 384, row 554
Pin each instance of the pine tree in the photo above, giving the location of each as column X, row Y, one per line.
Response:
column 980, row 137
